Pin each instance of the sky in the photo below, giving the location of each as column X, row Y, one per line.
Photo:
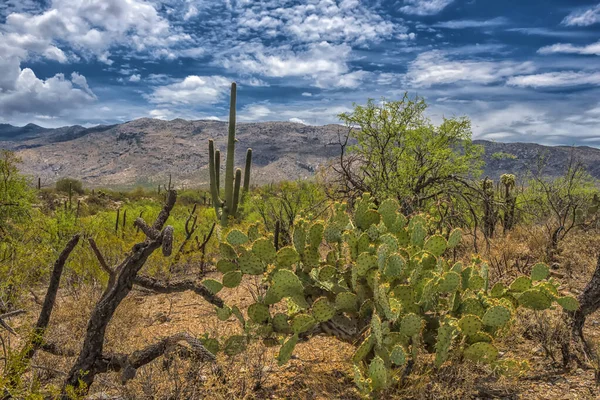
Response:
column 521, row 70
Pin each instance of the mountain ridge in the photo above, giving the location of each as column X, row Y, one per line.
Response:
column 145, row 151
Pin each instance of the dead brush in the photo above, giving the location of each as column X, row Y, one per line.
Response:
column 515, row 252
column 546, row 328
column 577, row 256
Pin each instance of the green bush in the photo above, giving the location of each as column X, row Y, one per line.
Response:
column 63, row 185
column 500, row 155
column 396, row 151
column 384, row 275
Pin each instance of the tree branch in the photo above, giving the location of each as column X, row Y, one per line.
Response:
column 177, row 287
column 128, row 364
column 5, row 325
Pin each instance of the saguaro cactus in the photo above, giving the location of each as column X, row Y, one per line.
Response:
column 489, row 207
column 233, row 178
column 510, row 200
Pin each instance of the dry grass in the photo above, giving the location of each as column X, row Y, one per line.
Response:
column 320, row 368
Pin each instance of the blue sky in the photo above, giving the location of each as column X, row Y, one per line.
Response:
column 521, row 70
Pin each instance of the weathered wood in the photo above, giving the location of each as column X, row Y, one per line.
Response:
column 178, row 286
column 87, row 365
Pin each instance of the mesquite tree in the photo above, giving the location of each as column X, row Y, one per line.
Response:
column 393, row 150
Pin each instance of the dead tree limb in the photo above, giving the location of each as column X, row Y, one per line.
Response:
column 92, row 360
column 178, row 286
column 36, row 339
column 5, row 325
column 103, row 263
column 589, row 302
column 128, row 364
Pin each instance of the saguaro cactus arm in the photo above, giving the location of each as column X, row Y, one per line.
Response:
column 214, row 187
column 218, row 170
column 236, row 191
column 247, row 174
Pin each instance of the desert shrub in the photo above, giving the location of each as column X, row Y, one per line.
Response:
column 380, row 273
column 393, row 150
column 500, row 155
column 191, row 197
column 16, row 196
column 66, row 184
column 284, row 203
column 561, row 204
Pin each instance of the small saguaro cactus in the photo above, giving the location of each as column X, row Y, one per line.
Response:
column 490, row 214
column 509, row 181
column 228, row 207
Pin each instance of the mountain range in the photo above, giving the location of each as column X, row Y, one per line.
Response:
column 144, row 152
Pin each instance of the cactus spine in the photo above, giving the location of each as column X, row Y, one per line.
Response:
column 233, row 178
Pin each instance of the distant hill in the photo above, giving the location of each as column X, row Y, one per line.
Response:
column 145, row 151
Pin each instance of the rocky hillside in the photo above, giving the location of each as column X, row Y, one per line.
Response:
column 145, row 151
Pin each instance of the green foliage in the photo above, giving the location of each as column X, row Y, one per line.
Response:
column 15, row 194
column 399, row 153
column 562, row 203
column 384, row 275
column 500, row 155
column 285, row 202
column 66, row 184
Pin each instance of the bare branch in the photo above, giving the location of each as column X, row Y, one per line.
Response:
column 8, row 315
column 152, row 233
column 128, row 364
column 111, row 273
column 176, row 287
column 52, row 348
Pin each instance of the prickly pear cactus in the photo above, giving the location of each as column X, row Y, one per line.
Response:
column 380, row 280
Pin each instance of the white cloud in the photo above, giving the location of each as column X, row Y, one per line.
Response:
column 254, row 112
column 135, row 78
column 28, row 94
column 325, row 64
column 192, row 90
column 424, row 7
column 156, row 79
column 255, row 82
column 583, row 17
column 387, row 78
column 190, row 13
column 345, row 21
column 590, row 49
column 435, row 68
column 297, row 121
column 90, row 28
column 537, row 31
column 306, row 94
column 407, row 36
column 161, row 113
column 556, row 79
column 469, row 23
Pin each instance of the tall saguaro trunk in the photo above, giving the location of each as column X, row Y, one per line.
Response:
column 229, row 163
